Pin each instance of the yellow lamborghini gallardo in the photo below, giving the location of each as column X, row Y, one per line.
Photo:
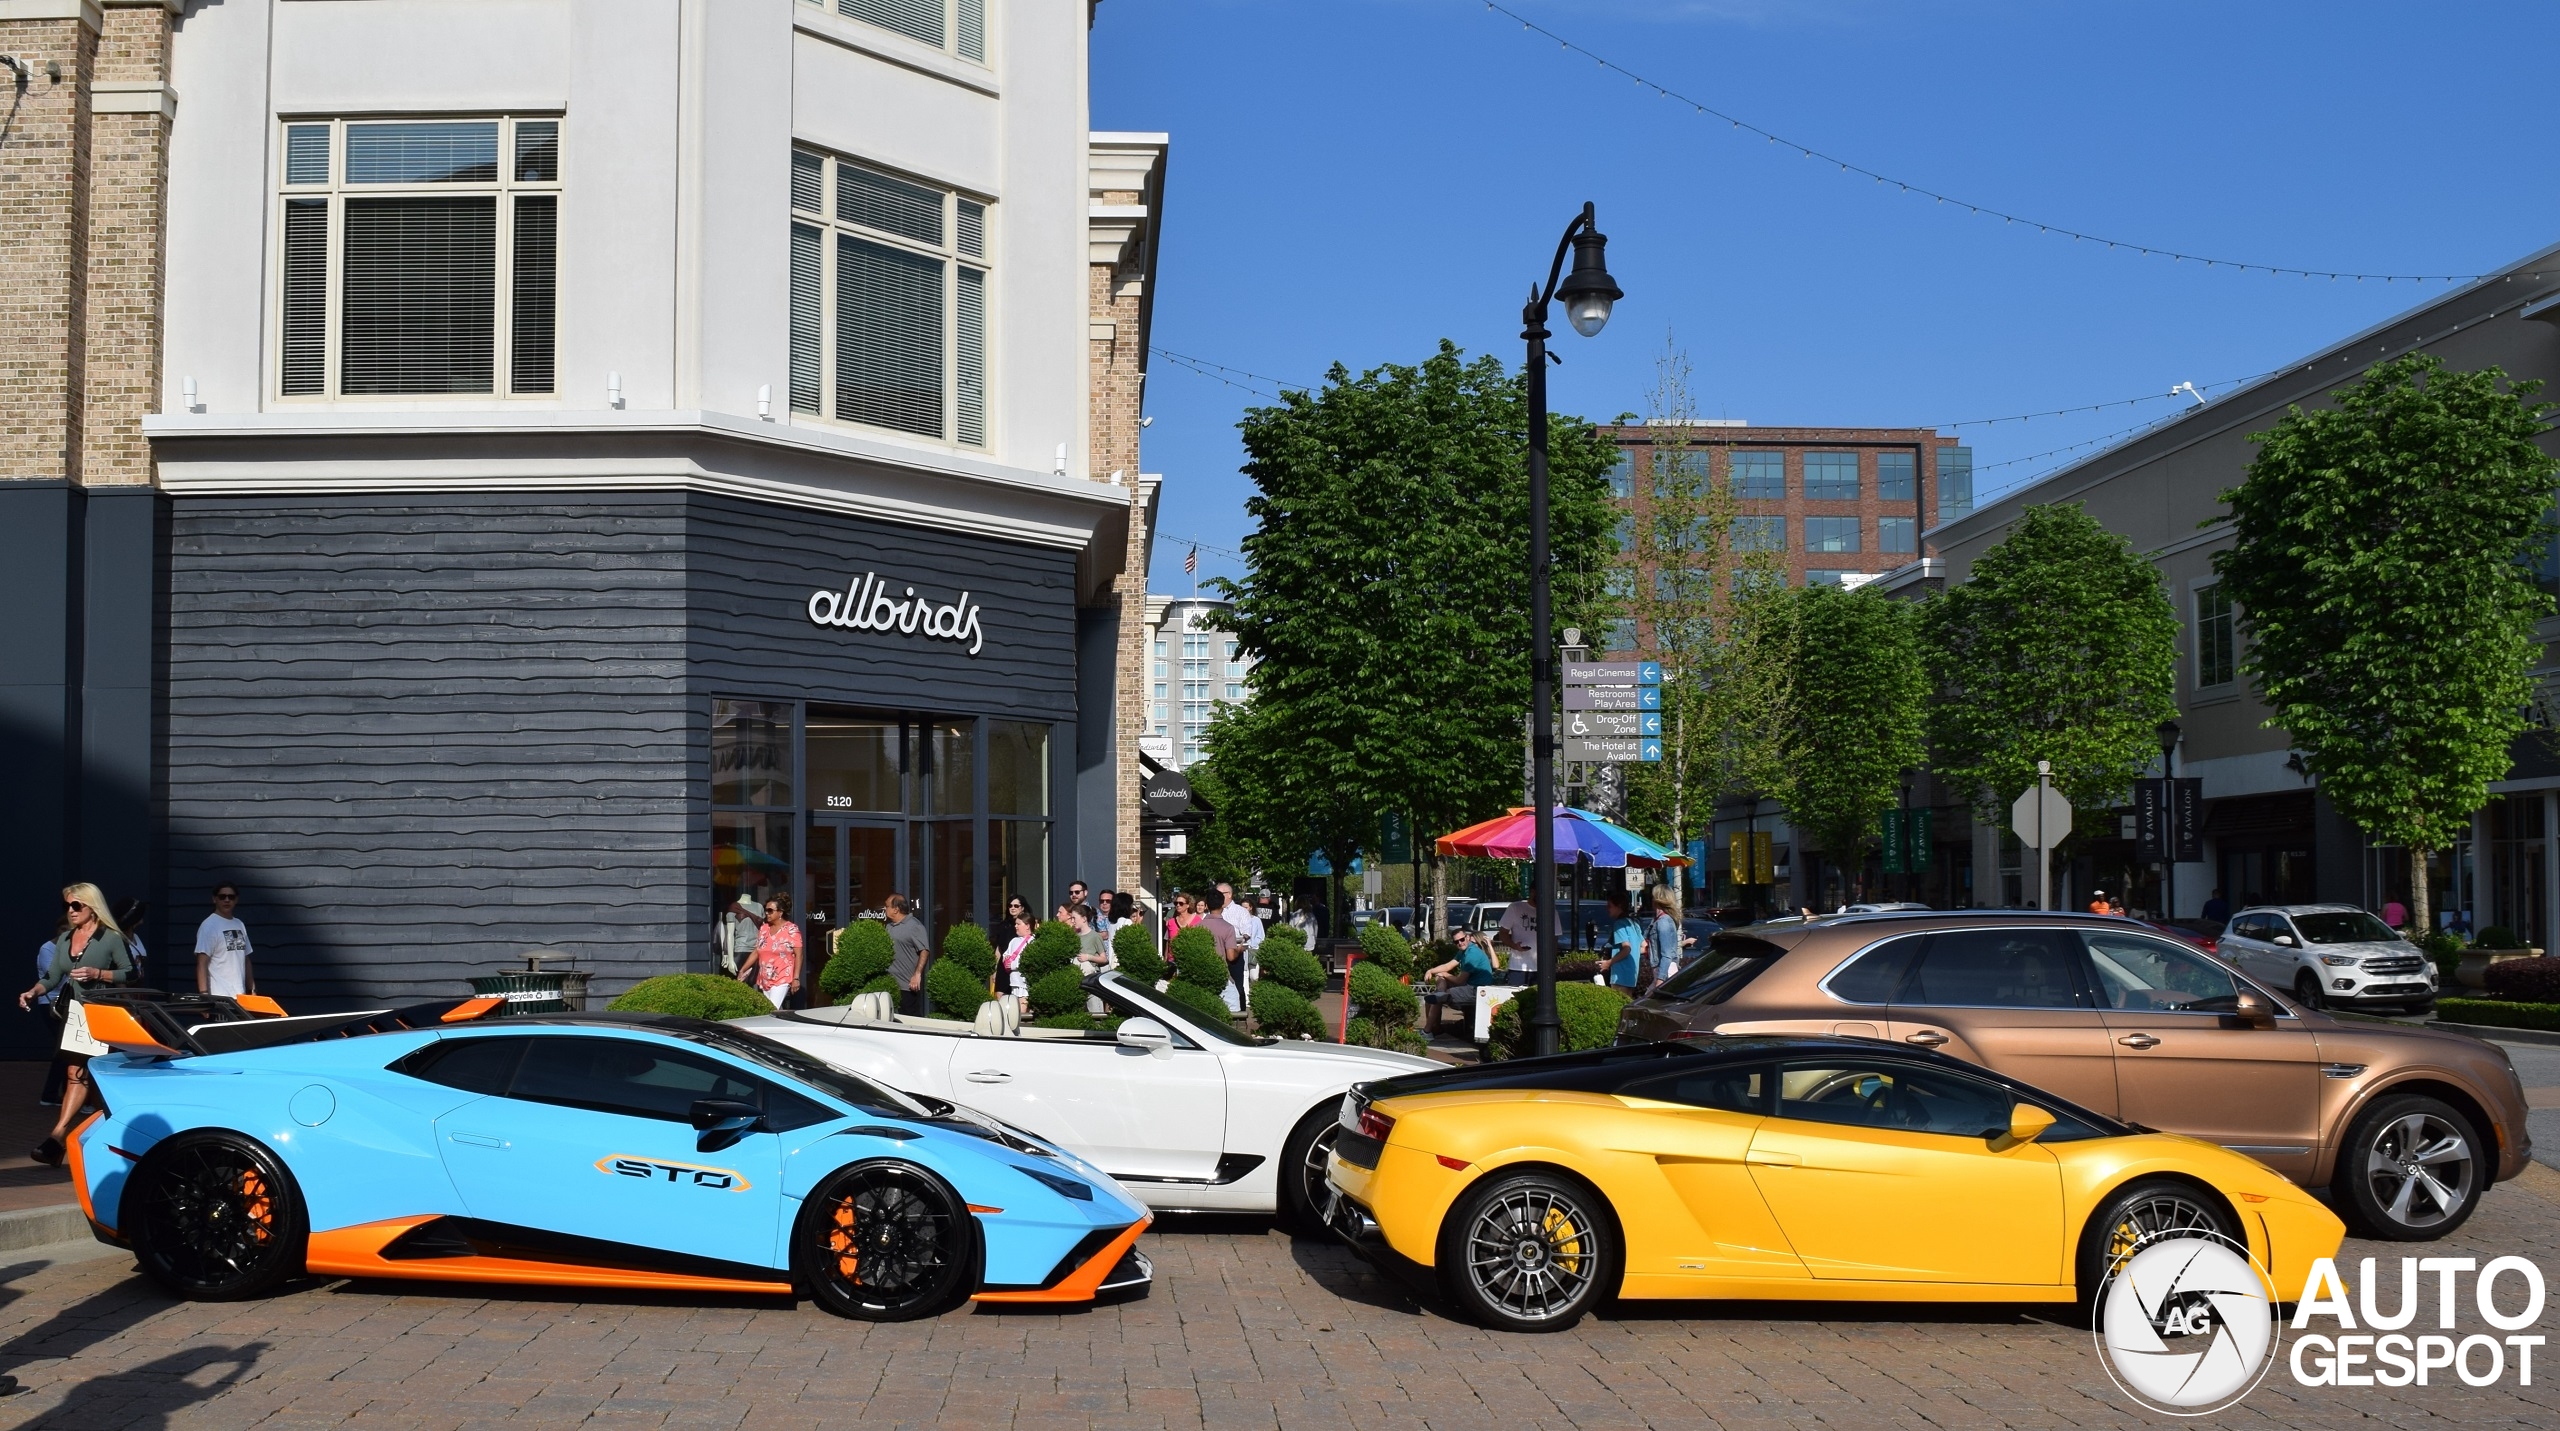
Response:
column 1778, row 1167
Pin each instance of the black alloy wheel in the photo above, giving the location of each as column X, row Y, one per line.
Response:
column 2306, row 991
column 1305, row 1193
column 2142, row 1213
column 214, row 1217
column 2411, row 1170
column 886, row 1242
column 1531, row 1252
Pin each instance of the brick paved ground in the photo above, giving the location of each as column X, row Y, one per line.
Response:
column 1245, row 1328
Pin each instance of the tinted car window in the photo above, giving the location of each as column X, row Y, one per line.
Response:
column 2139, row 974
column 1731, row 1090
column 630, row 1076
column 1716, row 973
column 474, row 1065
column 2352, row 927
column 1892, row 1095
column 1999, row 969
column 1875, row 976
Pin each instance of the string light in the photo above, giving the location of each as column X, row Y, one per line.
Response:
column 2103, row 406
column 1215, row 372
column 1849, row 167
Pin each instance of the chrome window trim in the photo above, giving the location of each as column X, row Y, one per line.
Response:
column 1823, row 986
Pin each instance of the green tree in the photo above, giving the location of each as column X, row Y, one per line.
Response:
column 2059, row 646
column 2379, row 568
column 1859, row 717
column 1385, row 599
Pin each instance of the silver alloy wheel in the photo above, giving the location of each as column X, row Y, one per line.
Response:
column 1534, row 1253
column 1313, row 1183
column 2420, row 1168
column 2162, row 1214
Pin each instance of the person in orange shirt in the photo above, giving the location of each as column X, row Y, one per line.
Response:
column 2098, row 902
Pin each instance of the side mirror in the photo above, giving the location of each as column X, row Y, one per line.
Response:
column 1145, row 1035
column 720, row 1122
column 2026, row 1123
column 2284, row 939
column 2256, row 1012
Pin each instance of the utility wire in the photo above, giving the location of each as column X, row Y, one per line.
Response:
column 1984, row 210
column 2198, row 389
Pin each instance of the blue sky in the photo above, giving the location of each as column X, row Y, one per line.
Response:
column 1352, row 180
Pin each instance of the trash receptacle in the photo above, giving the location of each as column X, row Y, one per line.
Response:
column 535, row 990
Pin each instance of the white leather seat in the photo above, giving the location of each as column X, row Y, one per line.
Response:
column 876, row 1007
column 1000, row 1017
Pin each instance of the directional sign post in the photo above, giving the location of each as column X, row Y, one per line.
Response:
column 2042, row 818
column 1618, row 723
column 1614, row 712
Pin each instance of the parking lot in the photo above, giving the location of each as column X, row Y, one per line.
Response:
column 1245, row 1327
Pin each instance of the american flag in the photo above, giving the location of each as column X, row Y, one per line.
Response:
column 1191, row 563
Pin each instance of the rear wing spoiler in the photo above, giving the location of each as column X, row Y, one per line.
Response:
column 147, row 1023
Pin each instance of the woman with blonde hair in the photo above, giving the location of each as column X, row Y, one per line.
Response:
column 91, row 952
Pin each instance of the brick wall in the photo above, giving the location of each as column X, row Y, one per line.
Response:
column 44, row 214
column 130, row 114
column 1117, row 376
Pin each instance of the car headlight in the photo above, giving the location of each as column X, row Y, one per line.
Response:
column 1063, row 1187
column 2338, row 961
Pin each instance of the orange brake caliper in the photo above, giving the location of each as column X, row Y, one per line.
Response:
column 254, row 1188
column 840, row 1241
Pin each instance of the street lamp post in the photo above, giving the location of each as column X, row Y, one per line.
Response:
column 2168, row 733
column 1588, row 293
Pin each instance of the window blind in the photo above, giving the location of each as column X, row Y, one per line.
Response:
column 916, row 19
column 306, row 154
column 808, row 179
column 418, row 302
column 888, row 337
column 306, row 296
column 807, row 253
column 532, row 331
column 893, row 206
column 441, row 152
column 537, row 151
column 971, row 419
column 973, row 229
column 973, row 29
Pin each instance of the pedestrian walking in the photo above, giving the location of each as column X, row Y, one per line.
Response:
column 1662, row 942
column 1249, row 931
column 1015, row 907
column 1208, row 916
column 1093, row 947
column 222, row 947
column 1517, row 937
column 89, row 952
column 1077, row 893
column 774, row 965
column 910, row 951
column 1009, row 963
column 1626, row 945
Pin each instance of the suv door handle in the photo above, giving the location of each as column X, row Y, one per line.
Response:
column 2139, row 1040
column 989, row 1075
column 1926, row 1038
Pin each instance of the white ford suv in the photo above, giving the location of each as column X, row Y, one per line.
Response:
column 2330, row 955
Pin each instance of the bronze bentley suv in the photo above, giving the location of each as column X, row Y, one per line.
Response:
column 2405, row 1126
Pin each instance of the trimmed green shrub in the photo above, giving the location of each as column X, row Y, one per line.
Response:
column 693, row 996
column 1193, row 996
column 1589, row 1013
column 1053, row 947
column 1283, row 1012
column 1381, row 998
column 1134, row 946
column 1292, row 965
column 1382, row 946
column 956, row 992
column 1361, row 1032
column 2531, row 981
column 967, row 946
column 1196, row 961
column 2498, row 936
column 1057, row 991
column 2492, row 1013
column 1407, row 1040
column 1280, row 934
column 862, row 955
column 882, row 985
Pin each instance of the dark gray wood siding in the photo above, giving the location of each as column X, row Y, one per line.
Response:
column 429, row 733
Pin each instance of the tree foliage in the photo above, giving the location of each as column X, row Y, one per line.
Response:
column 2379, row 570
column 1385, row 600
column 1858, row 717
column 2060, row 646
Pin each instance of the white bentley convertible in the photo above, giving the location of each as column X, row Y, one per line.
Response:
column 1186, row 1112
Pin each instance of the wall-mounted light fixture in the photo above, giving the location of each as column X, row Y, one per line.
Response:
column 187, row 400
column 613, row 389
column 764, row 402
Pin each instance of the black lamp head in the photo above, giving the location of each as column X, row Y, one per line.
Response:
column 1588, row 292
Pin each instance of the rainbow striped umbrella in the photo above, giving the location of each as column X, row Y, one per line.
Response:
column 1513, row 836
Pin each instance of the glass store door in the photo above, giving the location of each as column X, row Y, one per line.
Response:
column 851, row 869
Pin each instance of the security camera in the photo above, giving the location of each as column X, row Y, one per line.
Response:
column 1146, row 422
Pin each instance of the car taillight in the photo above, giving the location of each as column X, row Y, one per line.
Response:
column 1374, row 1124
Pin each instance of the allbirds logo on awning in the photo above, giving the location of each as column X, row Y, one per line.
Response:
column 867, row 605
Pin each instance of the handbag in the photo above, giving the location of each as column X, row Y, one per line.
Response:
column 75, row 1032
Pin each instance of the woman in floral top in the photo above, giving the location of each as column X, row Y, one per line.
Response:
column 775, row 966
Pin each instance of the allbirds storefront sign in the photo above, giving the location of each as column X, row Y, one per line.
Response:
column 869, row 604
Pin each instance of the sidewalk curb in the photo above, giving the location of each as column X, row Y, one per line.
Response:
column 42, row 1227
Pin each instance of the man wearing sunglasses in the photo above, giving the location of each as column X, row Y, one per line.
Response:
column 222, row 948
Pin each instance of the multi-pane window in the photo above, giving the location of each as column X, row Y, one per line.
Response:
column 1620, row 636
column 1830, row 534
column 2217, row 638
column 888, row 300
column 1759, row 534
column 957, row 27
column 1826, row 576
column 1159, row 662
column 1760, row 476
column 1622, row 475
column 1897, row 534
column 1955, row 482
column 419, row 257
column 1831, row 476
column 1235, row 690
column 1898, row 477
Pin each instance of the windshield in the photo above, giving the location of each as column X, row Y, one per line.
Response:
column 1729, row 963
column 2354, row 927
column 1197, row 1025
column 782, row 1058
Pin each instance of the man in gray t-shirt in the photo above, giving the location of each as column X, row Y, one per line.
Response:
column 908, row 955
